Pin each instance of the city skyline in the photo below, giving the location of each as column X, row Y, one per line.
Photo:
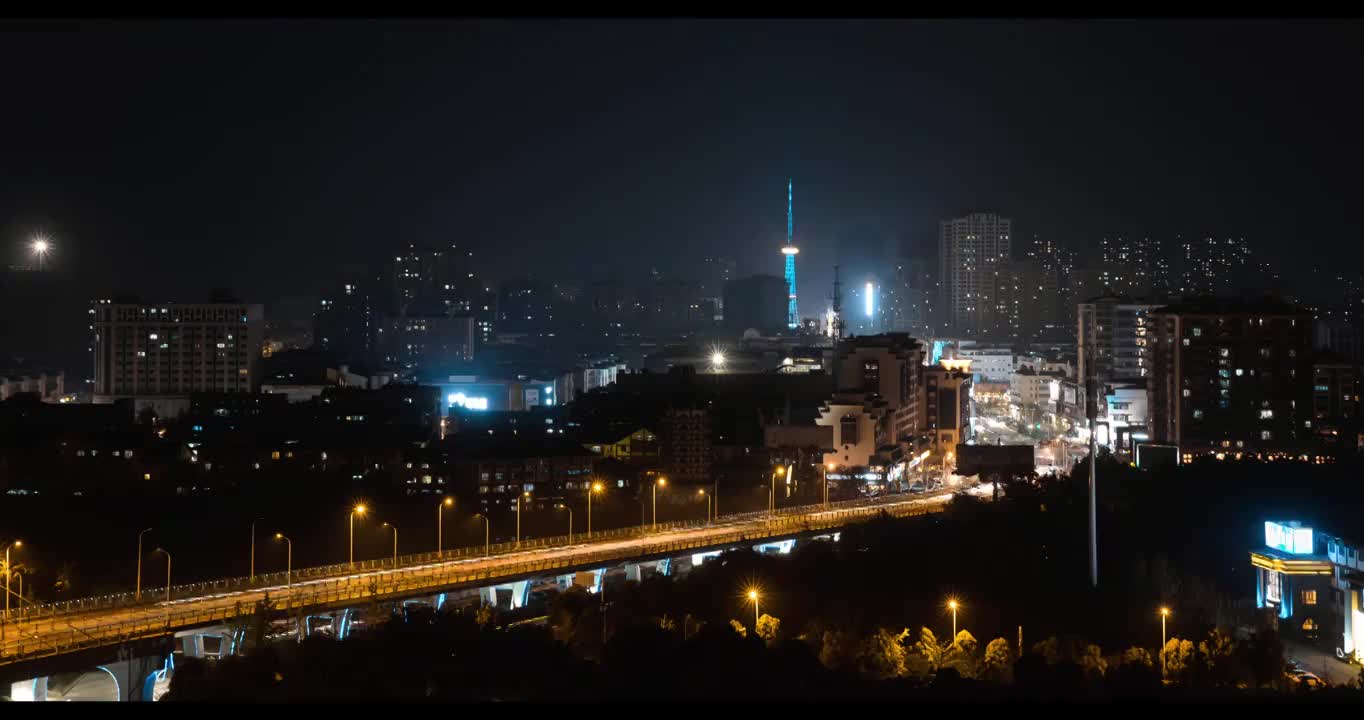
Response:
column 459, row 174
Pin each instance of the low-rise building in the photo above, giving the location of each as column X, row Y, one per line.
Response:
column 1313, row 581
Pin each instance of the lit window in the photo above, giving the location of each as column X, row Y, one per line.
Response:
column 1266, row 435
column 1309, row 597
column 1266, row 414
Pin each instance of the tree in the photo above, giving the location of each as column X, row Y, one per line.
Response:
column 997, row 661
column 739, row 628
column 882, row 655
column 1093, row 663
column 768, row 627
column 1216, row 652
column 1179, row 659
column 929, row 648
column 961, row 655
column 667, row 623
column 1137, row 656
column 838, row 650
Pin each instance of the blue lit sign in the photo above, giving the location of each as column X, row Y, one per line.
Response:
column 1289, row 538
column 938, row 346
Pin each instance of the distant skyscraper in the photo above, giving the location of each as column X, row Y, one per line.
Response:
column 790, row 251
column 973, row 250
column 344, row 325
column 1214, row 267
column 1134, row 266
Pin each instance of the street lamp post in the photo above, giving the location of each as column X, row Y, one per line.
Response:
column 570, row 522
column 137, row 592
column 440, row 521
column 357, row 510
column 15, row 544
column 487, row 543
column 593, row 489
column 524, row 494
column 168, row 574
column 1164, row 613
column 657, row 483
column 827, row 468
column 395, row 542
column 288, row 559
column 703, row 492
column 772, row 496
column 253, row 548
column 753, row 595
column 952, row 605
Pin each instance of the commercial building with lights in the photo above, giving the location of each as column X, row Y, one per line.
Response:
column 1312, row 581
column 158, row 354
column 1230, row 374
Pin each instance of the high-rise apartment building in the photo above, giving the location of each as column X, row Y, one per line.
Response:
column 345, row 323
column 1230, row 374
column 1113, row 338
column 1213, row 267
column 164, row 352
column 973, row 252
column 1133, row 266
column 912, row 298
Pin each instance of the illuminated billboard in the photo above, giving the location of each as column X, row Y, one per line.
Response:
column 459, row 399
column 1289, row 538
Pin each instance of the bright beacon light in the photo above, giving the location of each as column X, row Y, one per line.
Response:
column 869, row 301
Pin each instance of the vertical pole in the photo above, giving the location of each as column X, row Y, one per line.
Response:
column 716, row 494
column 440, row 525
column 1162, row 645
column 352, row 538
column 252, row 571
column 589, row 512
column 655, row 508
column 1092, row 410
column 755, row 617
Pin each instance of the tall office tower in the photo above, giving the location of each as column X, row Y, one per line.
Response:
column 1230, row 375
column 972, row 252
column 159, row 354
column 344, row 325
column 789, row 252
column 1214, row 267
column 443, row 274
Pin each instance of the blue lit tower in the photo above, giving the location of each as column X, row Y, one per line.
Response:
column 790, row 251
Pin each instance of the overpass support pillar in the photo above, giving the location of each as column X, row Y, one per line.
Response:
column 632, row 572
column 34, row 690
column 520, row 594
column 665, row 567
column 488, row 595
column 697, row 559
column 565, row 581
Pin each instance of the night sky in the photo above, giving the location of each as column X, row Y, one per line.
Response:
column 272, row 156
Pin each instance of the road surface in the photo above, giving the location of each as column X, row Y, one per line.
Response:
column 54, row 635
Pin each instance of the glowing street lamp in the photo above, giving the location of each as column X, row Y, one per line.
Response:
column 717, row 360
column 524, row 494
column 570, row 520
column 288, row 559
column 657, row 483
column 754, row 596
column 395, row 542
column 1164, row 613
column 440, row 520
column 593, row 489
column 40, row 247
column 357, row 510
column 15, row 544
column 487, row 543
column 953, row 605
column 702, row 491
column 168, row 575
column 772, row 496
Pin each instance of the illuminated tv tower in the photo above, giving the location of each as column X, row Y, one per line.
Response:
column 790, row 251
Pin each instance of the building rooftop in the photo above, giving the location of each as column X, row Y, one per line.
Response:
column 1208, row 305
